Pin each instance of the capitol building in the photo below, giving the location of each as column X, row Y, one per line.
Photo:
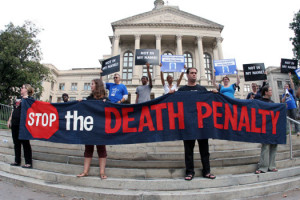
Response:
column 171, row 31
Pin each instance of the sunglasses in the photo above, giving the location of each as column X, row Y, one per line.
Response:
column 116, row 77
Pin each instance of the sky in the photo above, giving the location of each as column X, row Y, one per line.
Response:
column 75, row 32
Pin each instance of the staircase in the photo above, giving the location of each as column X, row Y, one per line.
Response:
column 152, row 171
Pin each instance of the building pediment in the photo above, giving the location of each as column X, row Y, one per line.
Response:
column 167, row 16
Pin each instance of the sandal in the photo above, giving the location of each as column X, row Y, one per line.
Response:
column 103, row 176
column 189, row 177
column 27, row 166
column 209, row 176
column 273, row 170
column 83, row 174
column 15, row 164
column 259, row 171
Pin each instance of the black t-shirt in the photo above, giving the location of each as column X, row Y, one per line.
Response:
column 92, row 98
column 266, row 100
column 193, row 88
column 16, row 115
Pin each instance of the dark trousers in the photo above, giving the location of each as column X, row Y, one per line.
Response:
column 17, row 146
column 89, row 150
column 189, row 156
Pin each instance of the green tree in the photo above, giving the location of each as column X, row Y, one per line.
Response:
column 295, row 26
column 20, row 56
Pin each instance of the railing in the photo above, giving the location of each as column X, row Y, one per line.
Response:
column 5, row 111
column 290, row 134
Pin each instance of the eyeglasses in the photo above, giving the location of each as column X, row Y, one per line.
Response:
column 116, row 77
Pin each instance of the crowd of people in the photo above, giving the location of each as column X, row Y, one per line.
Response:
column 118, row 94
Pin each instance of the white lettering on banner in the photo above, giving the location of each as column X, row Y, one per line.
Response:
column 84, row 123
column 45, row 119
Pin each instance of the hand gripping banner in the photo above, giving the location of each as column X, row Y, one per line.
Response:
column 179, row 116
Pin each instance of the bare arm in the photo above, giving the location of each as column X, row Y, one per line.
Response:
column 214, row 80
column 180, row 78
column 291, row 81
column 162, row 76
column 149, row 74
column 9, row 120
column 137, row 97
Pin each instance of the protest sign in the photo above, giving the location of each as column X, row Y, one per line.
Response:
column 225, row 67
column 181, row 116
column 297, row 71
column 254, row 72
column 110, row 65
column 143, row 56
column 288, row 65
column 172, row 63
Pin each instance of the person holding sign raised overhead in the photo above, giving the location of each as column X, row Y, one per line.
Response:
column 288, row 97
column 98, row 93
column 190, row 144
column 227, row 89
column 170, row 87
column 268, row 151
column 143, row 91
column 117, row 91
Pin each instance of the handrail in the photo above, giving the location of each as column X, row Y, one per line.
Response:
column 290, row 135
column 5, row 111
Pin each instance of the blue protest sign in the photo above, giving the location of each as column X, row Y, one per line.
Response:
column 172, row 63
column 224, row 67
column 297, row 71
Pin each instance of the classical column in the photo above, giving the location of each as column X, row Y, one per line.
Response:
column 116, row 45
column 137, row 70
column 157, row 68
column 215, row 51
column 179, row 44
column 220, row 50
column 201, row 59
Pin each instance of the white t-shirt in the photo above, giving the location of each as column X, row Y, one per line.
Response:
column 167, row 89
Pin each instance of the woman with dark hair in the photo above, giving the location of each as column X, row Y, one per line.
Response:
column 226, row 88
column 98, row 93
column 268, row 151
column 14, row 123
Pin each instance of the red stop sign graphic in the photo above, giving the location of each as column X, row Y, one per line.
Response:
column 42, row 120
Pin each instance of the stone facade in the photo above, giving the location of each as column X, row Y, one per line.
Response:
column 167, row 29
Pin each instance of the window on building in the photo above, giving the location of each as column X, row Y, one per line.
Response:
column 168, row 53
column 50, row 99
column 62, row 86
column 208, row 66
column 127, row 67
column 279, row 85
column 59, row 99
column 74, row 86
column 72, row 98
column 246, row 88
column 52, row 85
column 188, row 59
column 87, row 87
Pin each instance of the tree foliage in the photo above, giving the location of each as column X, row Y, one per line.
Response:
column 20, row 56
column 295, row 26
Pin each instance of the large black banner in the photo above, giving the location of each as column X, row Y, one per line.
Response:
column 254, row 72
column 143, row 56
column 110, row 65
column 288, row 65
column 179, row 116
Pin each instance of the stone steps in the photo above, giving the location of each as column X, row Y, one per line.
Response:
column 225, row 187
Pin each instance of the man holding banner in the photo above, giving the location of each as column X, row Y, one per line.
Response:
column 143, row 91
column 190, row 144
column 117, row 91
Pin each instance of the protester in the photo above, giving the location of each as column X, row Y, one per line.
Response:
column 170, row 87
column 190, row 144
column 143, row 91
column 98, row 93
column 14, row 123
column 256, row 92
column 268, row 151
column 117, row 91
column 227, row 89
column 288, row 97
column 65, row 97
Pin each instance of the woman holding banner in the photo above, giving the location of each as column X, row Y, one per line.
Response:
column 227, row 89
column 170, row 87
column 14, row 123
column 268, row 151
column 98, row 93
